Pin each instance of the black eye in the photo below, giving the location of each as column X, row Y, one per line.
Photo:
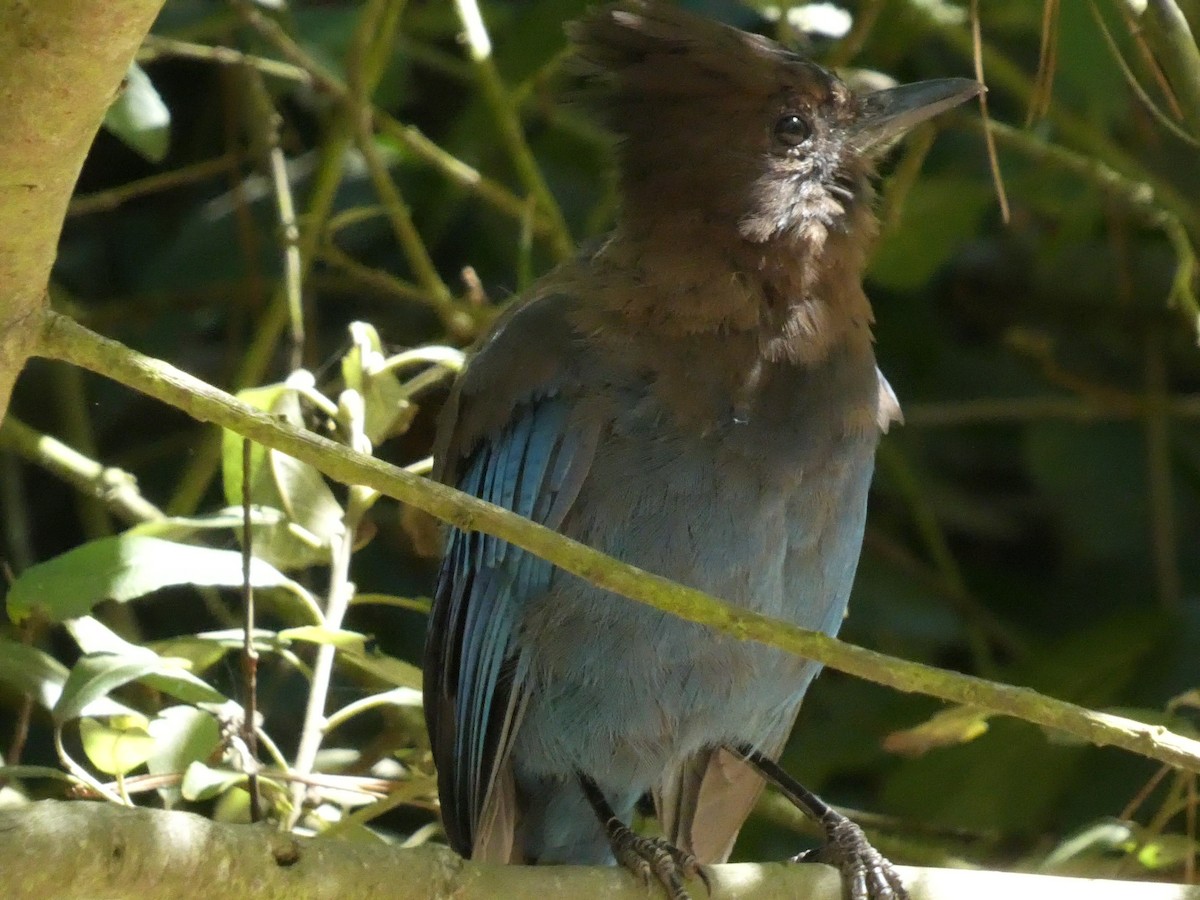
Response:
column 792, row 130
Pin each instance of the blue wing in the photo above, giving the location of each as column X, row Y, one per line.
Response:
column 473, row 672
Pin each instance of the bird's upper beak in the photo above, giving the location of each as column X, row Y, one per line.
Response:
column 886, row 115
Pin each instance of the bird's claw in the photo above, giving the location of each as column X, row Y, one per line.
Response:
column 655, row 859
column 866, row 873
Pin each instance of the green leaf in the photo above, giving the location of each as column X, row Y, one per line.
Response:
column 201, row 653
column 200, row 782
column 95, row 675
column 957, row 725
column 315, row 634
column 386, row 408
column 1012, row 778
column 28, row 670
column 116, row 746
column 312, row 517
column 139, row 117
column 182, row 735
column 178, row 528
column 123, row 568
column 1095, row 840
column 12, row 772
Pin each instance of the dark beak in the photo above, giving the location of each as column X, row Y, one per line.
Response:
column 884, row 116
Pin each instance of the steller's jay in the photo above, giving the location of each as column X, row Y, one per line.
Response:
column 697, row 395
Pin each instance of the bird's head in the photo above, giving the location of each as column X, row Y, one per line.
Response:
column 734, row 130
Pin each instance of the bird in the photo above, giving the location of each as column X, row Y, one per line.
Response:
column 695, row 394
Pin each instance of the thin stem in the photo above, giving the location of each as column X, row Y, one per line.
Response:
column 312, row 731
column 508, row 121
column 156, row 46
column 249, row 651
column 377, row 279
column 1102, row 152
column 104, row 201
column 80, row 773
column 400, row 696
column 408, row 136
column 406, row 233
column 116, row 488
column 1145, row 199
column 267, row 122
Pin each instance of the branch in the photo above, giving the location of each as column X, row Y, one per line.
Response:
column 78, row 851
column 66, row 340
column 61, row 62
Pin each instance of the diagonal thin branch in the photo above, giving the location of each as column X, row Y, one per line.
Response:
column 65, row 340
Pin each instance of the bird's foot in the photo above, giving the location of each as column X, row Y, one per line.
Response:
column 655, row 859
column 866, row 873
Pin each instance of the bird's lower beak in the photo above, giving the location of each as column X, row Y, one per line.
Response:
column 886, row 115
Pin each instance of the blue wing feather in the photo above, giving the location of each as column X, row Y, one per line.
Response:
column 473, row 670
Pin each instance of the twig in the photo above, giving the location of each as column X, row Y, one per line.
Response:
column 116, row 488
column 1004, row 74
column 268, row 122
column 382, row 281
column 1043, row 82
column 1135, row 86
column 156, row 46
column 406, row 233
column 1143, row 199
column 993, row 158
column 249, row 651
column 849, row 47
column 206, row 458
column 504, row 113
column 103, row 201
column 408, row 136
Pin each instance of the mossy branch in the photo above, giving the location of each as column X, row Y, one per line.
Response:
column 68, row 341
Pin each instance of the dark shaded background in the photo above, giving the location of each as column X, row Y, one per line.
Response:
column 1035, row 521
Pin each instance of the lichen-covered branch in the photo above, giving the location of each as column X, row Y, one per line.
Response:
column 68, row 341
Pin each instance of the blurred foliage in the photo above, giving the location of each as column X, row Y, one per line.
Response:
column 1035, row 521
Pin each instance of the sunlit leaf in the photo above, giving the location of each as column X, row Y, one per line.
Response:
column 117, row 745
column 95, row 675
column 957, row 725
column 311, row 515
column 315, row 634
column 182, row 735
column 139, row 117
column 123, row 568
column 201, row 782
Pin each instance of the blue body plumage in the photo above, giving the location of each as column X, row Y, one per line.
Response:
column 697, row 396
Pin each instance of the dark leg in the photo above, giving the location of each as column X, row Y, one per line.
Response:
column 645, row 857
column 866, row 874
